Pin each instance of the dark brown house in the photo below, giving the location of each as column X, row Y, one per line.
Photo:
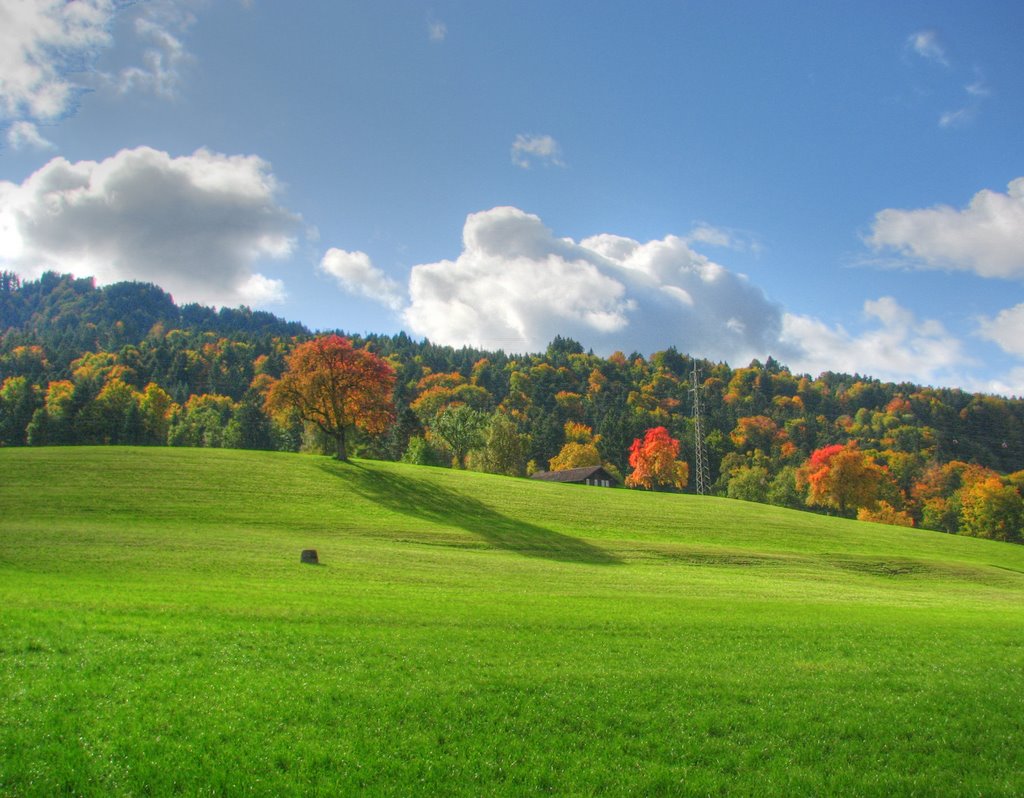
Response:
column 591, row 475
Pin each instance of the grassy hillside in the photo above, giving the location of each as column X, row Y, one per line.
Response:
column 471, row 634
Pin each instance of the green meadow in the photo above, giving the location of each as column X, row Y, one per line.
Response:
column 468, row 634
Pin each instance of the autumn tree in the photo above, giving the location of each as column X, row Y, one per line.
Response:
column 885, row 513
column 53, row 422
column 653, row 459
column 155, row 405
column 575, row 455
column 116, row 410
column 755, row 432
column 841, row 477
column 579, row 450
column 436, row 392
column 335, row 387
column 992, row 509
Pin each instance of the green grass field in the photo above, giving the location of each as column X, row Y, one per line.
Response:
column 476, row 635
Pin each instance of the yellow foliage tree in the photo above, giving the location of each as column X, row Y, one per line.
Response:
column 885, row 513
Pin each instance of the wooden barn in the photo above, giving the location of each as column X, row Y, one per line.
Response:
column 591, row 475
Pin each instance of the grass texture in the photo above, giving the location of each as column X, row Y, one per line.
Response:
column 475, row 635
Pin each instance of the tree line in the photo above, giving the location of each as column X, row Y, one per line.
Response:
column 122, row 364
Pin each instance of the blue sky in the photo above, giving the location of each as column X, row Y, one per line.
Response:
column 839, row 185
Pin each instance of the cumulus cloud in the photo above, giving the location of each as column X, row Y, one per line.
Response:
column 1006, row 329
column 986, row 237
column 528, row 150
column 897, row 346
column 356, row 274
column 516, row 286
column 926, row 43
column 197, row 225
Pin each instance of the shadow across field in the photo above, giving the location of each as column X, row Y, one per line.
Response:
column 432, row 502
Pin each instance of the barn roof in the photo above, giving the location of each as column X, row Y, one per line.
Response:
column 573, row 474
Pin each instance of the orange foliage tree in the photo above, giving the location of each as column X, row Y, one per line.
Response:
column 841, row 477
column 437, row 392
column 336, row 387
column 654, row 463
column 756, row 432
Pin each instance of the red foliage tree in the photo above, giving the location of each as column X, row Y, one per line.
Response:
column 653, row 460
column 331, row 384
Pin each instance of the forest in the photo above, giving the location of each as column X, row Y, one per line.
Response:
column 123, row 364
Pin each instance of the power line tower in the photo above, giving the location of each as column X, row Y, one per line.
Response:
column 703, row 480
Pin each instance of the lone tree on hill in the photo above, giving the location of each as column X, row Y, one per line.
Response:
column 331, row 384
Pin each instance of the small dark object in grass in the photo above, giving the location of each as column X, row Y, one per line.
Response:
column 309, row 557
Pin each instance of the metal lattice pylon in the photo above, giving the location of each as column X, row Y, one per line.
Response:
column 702, row 478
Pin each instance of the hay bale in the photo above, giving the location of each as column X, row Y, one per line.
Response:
column 309, row 557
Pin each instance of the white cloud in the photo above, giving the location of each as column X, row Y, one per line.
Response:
column 978, row 89
column 986, row 237
column 926, row 44
column 163, row 55
column 40, row 41
column 1006, row 329
column 704, row 233
column 977, row 92
column 1009, row 384
column 356, row 274
column 196, row 225
column 49, row 48
column 897, row 347
column 528, row 150
column 437, row 31
column 958, row 118
column 516, row 286
column 22, row 135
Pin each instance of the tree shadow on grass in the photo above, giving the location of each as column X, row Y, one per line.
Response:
column 432, row 502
